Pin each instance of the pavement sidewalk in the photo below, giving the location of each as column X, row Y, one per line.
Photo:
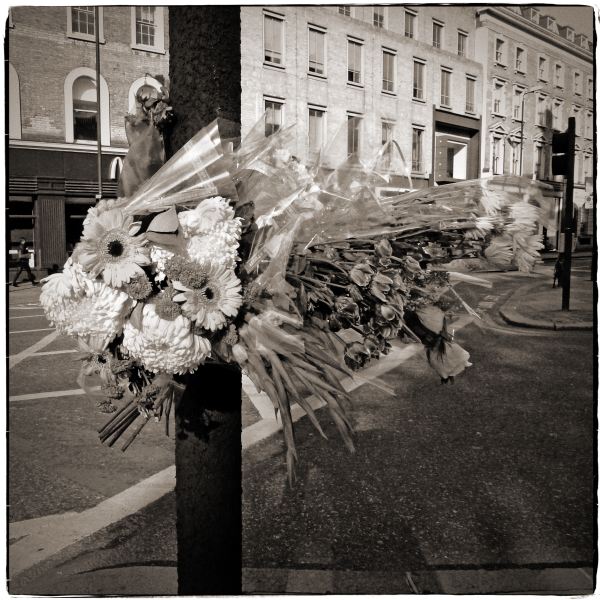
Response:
column 538, row 305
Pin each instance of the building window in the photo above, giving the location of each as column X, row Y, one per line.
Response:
column 497, row 155
column 81, row 107
column 470, row 95
column 410, row 19
column 148, row 28
column 462, row 43
column 515, row 158
column 273, row 117
column 81, row 23
column 445, row 88
column 590, row 88
column 316, row 51
column 85, row 110
column 557, row 114
column 539, row 161
column 379, row 16
column 14, row 104
column 389, row 64
column 316, row 129
column 437, row 34
column 498, row 98
column 345, row 10
column 588, row 125
column 541, row 116
column 353, row 134
column 354, row 61
column 145, row 86
column 417, row 150
column 499, row 54
column 542, row 69
column 418, row 79
column 520, row 60
column 273, row 40
column 517, row 103
column 577, row 83
column 577, row 117
column 558, row 75
column 387, row 132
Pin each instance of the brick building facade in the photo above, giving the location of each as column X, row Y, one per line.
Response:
column 53, row 113
column 532, row 63
column 407, row 73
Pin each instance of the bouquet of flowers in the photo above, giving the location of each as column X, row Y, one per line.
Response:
column 298, row 275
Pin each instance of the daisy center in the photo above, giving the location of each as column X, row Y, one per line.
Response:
column 115, row 248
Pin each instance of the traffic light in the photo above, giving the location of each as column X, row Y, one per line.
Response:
column 563, row 150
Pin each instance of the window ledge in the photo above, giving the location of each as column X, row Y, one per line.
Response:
column 499, row 64
column 390, row 94
column 85, row 38
column 152, row 49
column 497, row 114
column 273, row 66
column 320, row 76
column 445, row 107
column 419, row 100
column 355, row 85
column 519, row 72
column 470, row 112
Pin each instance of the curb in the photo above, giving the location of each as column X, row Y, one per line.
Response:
column 512, row 317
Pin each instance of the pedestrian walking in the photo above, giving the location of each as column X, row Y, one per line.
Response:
column 558, row 274
column 24, row 264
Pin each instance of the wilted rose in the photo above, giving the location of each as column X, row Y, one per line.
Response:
column 354, row 293
column 347, row 307
column 380, row 286
column 361, row 274
column 383, row 248
column 411, row 265
column 334, row 323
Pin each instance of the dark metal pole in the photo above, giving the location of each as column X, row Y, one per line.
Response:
column 98, row 104
column 522, row 122
column 568, row 215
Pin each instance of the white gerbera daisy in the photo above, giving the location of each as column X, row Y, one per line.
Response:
column 108, row 248
column 210, row 305
column 81, row 306
column 165, row 346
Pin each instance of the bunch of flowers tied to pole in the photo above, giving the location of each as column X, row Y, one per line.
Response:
column 236, row 252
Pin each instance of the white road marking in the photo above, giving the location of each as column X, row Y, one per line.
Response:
column 17, row 358
column 45, row 395
column 34, row 307
column 51, row 352
column 55, row 532
column 31, row 330
column 27, row 317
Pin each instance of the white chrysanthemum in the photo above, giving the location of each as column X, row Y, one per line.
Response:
column 165, row 346
column 217, row 247
column 78, row 305
column 206, row 216
column 210, row 305
column 159, row 257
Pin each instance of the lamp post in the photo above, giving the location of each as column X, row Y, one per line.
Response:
column 535, row 89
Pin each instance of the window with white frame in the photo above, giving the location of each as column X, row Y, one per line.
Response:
column 590, row 88
column 559, row 80
column 81, row 23
column 14, row 104
column 436, row 34
column 462, row 42
column 418, row 79
column 576, row 111
column 354, row 61
column 520, row 59
column 588, row 170
column 539, row 167
column 316, row 51
column 389, row 67
column 499, row 51
column 517, row 102
column 345, row 10
column 387, row 131
column 557, row 120
column 542, row 68
column 470, row 94
column 515, row 157
column 417, row 150
column 316, row 129
column 273, row 116
column 445, row 87
column 497, row 155
column 147, row 28
column 379, row 16
column 541, row 117
column 273, row 39
column 498, row 95
column 589, row 117
column 410, row 22
column 354, row 123
column 577, row 83
column 85, row 110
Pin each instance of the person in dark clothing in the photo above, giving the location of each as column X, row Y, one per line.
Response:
column 558, row 274
column 24, row 264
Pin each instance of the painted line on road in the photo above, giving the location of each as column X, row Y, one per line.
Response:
column 31, row 330
column 26, row 317
column 17, row 358
column 51, row 352
column 36, row 307
column 57, row 532
column 45, row 395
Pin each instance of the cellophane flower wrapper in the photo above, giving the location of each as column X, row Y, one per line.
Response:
column 300, row 275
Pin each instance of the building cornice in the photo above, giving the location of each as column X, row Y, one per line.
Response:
column 511, row 18
column 63, row 147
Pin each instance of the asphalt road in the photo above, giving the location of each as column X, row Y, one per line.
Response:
column 493, row 471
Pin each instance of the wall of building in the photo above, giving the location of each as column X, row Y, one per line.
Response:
column 298, row 89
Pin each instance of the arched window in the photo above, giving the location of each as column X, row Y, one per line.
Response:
column 14, row 104
column 146, row 83
column 81, row 108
